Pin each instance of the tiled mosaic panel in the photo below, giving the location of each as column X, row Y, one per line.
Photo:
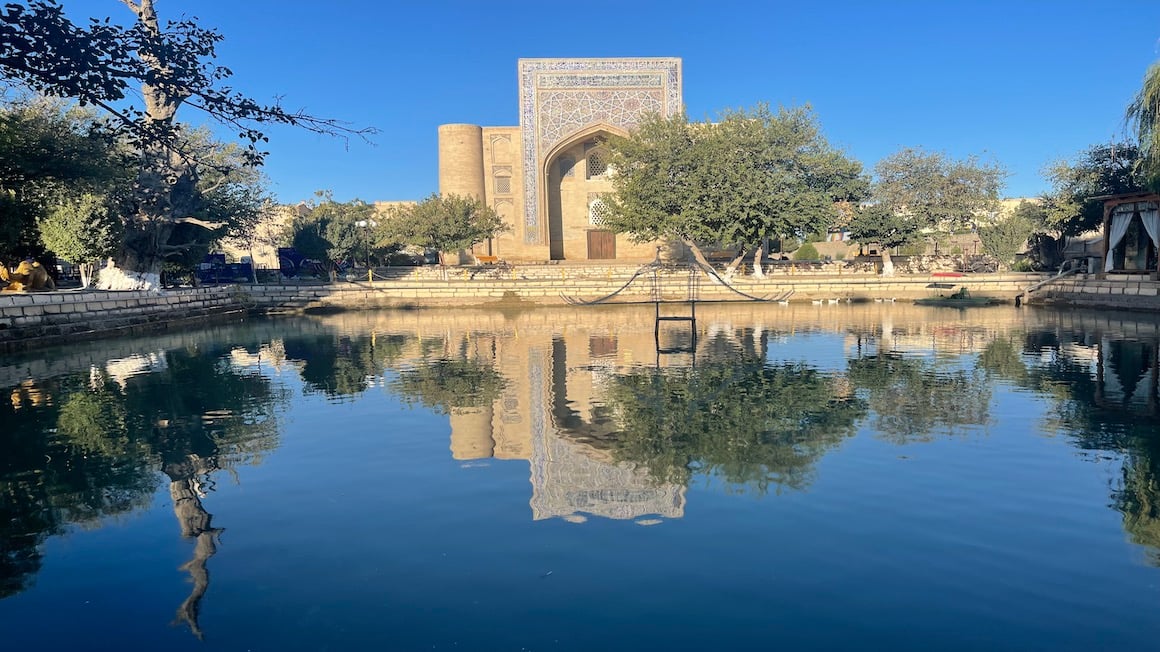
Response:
column 561, row 96
column 571, row 111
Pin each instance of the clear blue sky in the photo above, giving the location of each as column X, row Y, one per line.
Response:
column 1020, row 82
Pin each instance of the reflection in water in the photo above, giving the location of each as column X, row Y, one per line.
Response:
column 86, row 446
column 608, row 427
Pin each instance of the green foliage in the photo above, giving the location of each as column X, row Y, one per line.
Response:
column 441, row 223
column 751, row 174
column 936, row 191
column 98, row 62
column 82, row 228
column 1143, row 116
column 173, row 63
column 806, row 252
column 1099, row 170
column 48, row 154
column 879, row 224
column 324, row 229
column 1006, row 236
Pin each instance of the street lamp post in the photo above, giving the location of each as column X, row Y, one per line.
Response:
column 366, row 226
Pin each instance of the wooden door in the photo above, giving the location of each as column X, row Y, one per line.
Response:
column 601, row 245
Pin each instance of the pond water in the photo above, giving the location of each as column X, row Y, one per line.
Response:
column 841, row 477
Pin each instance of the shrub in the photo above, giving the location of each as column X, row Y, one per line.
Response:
column 806, row 252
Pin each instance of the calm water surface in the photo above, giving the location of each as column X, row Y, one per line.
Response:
column 808, row 477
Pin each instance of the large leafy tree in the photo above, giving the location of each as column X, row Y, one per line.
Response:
column 49, row 152
column 1144, row 116
column 1005, row 237
column 173, row 65
column 753, row 174
column 1106, row 169
column 82, row 229
column 329, row 230
column 917, row 192
column 442, row 223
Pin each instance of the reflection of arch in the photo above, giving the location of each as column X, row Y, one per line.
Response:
column 551, row 174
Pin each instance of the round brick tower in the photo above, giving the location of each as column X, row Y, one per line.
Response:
column 461, row 160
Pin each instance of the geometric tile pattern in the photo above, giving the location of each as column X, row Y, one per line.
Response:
column 559, row 97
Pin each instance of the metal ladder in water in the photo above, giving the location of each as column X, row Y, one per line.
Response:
column 692, row 287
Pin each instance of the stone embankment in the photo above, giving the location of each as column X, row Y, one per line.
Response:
column 1118, row 292
column 33, row 320
column 46, row 318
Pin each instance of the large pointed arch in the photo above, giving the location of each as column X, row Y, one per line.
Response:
column 600, row 130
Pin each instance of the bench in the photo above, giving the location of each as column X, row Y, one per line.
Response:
column 486, row 260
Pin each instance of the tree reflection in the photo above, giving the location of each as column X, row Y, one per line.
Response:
column 735, row 417
column 343, row 366
column 90, row 446
column 444, row 384
column 912, row 398
column 1106, row 399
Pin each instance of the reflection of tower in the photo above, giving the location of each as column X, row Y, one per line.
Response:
column 471, row 433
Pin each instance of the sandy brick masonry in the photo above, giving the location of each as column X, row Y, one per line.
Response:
column 32, row 320
column 1122, row 292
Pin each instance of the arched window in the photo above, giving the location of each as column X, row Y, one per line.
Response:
column 597, row 166
column 597, row 211
column 503, row 181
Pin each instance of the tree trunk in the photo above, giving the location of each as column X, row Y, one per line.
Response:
column 698, row 256
column 731, row 268
column 166, row 188
column 887, row 264
column 757, row 271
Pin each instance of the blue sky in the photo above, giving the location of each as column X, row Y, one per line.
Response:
column 1022, row 83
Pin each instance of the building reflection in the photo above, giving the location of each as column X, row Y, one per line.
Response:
column 547, row 406
column 550, row 387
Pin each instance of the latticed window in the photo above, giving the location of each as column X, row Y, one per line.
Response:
column 597, row 211
column 597, row 166
column 503, row 185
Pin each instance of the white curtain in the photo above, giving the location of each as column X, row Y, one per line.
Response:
column 1119, row 227
column 1151, row 219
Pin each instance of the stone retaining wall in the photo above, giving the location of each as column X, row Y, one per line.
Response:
column 1118, row 292
column 38, row 319
column 585, row 285
column 31, row 320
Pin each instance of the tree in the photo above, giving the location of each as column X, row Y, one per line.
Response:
column 324, row 229
column 442, row 223
column 1005, row 237
column 50, row 151
column 1110, row 169
column 1144, row 116
column 915, row 192
column 97, row 64
column 752, row 175
column 82, row 229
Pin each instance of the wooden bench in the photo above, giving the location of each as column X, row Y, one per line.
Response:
column 486, row 260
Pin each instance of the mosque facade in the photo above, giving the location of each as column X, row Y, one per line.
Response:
column 547, row 176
